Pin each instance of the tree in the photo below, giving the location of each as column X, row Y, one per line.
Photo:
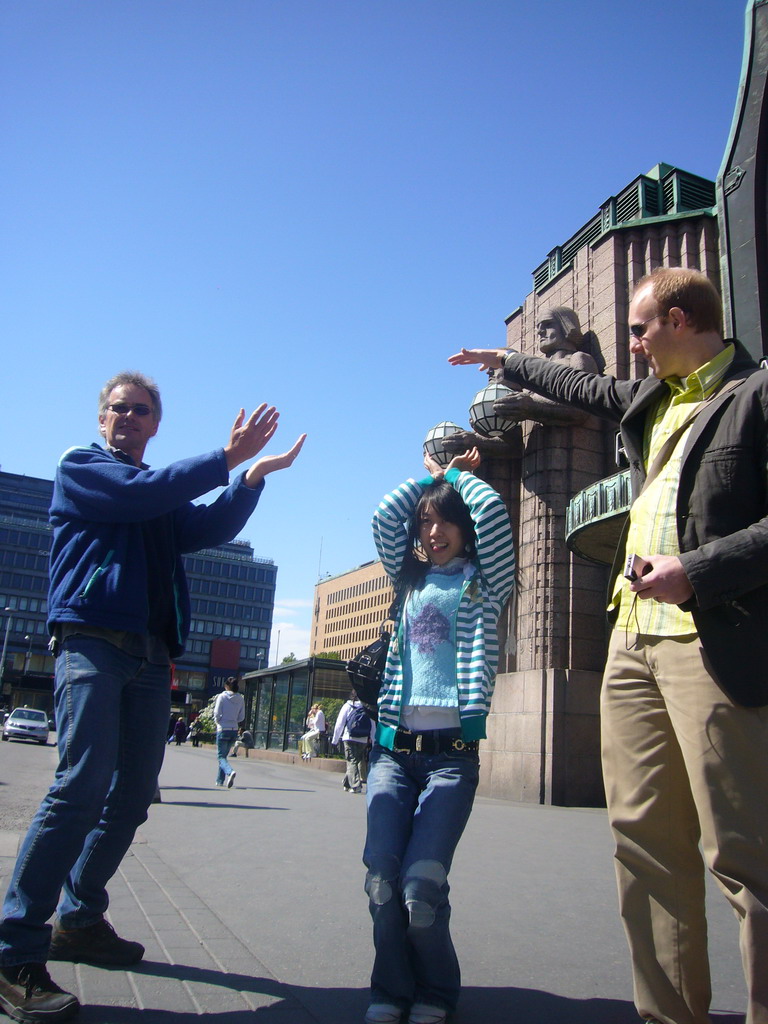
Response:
column 206, row 720
column 288, row 659
column 331, row 707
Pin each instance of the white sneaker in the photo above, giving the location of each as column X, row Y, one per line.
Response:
column 383, row 1013
column 231, row 779
column 423, row 1013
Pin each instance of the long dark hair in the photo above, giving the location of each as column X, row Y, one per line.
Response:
column 449, row 505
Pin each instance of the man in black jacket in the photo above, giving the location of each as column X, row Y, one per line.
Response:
column 683, row 706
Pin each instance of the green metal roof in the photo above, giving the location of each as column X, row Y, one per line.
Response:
column 664, row 193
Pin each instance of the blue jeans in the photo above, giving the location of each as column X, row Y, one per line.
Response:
column 112, row 714
column 418, row 806
column 224, row 740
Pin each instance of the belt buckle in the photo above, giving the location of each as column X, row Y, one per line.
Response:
column 459, row 744
column 419, row 737
column 403, row 750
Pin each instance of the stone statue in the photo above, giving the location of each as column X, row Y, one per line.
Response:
column 561, row 338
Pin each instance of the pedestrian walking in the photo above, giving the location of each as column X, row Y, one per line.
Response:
column 180, row 731
column 228, row 713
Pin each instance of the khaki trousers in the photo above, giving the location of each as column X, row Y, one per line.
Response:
column 686, row 776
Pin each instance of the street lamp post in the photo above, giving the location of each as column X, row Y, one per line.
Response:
column 5, row 645
column 28, row 654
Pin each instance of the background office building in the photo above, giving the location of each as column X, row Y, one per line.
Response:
column 232, row 593
column 349, row 610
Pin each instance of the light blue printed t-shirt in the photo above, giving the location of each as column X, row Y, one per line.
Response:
column 429, row 659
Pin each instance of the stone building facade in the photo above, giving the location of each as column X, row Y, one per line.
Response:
column 543, row 735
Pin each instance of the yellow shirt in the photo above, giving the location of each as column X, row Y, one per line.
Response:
column 652, row 518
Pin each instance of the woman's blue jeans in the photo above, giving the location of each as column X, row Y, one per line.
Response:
column 112, row 714
column 418, row 806
column 224, row 740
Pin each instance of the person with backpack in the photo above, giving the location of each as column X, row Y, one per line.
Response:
column 355, row 729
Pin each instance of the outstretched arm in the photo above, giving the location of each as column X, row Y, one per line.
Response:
column 483, row 358
column 250, row 436
column 207, row 525
column 271, row 463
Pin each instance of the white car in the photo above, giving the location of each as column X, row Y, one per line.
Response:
column 26, row 724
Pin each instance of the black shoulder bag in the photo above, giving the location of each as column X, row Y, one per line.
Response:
column 366, row 669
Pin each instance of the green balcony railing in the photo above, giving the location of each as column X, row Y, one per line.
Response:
column 595, row 517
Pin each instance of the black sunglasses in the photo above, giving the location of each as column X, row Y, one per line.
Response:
column 638, row 330
column 123, row 408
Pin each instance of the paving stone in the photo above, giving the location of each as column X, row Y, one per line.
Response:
column 257, row 918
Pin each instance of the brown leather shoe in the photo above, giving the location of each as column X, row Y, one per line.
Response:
column 28, row 995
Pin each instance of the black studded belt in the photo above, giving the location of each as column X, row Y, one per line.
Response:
column 435, row 741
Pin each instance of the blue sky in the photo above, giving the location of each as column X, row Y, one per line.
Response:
column 313, row 203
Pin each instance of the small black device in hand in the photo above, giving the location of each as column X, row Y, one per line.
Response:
column 635, row 567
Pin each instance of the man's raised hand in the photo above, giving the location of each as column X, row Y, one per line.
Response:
column 249, row 436
column 271, row 463
column 486, row 358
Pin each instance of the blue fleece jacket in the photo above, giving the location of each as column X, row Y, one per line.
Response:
column 100, row 500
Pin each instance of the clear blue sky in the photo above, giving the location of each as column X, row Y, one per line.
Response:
column 313, row 203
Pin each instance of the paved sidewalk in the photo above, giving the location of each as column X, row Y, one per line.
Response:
column 251, row 906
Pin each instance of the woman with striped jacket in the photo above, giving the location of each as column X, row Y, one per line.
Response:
column 446, row 543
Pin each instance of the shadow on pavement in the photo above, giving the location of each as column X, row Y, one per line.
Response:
column 204, row 789
column 210, row 803
column 347, row 1006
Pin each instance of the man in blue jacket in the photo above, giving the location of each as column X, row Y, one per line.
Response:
column 684, row 704
column 118, row 611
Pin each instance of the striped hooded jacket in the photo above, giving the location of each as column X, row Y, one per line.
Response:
column 483, row 596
